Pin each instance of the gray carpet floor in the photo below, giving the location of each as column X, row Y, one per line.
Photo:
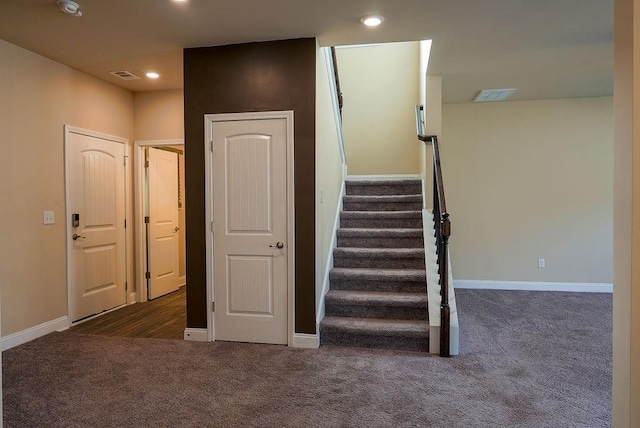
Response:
column 529, row 359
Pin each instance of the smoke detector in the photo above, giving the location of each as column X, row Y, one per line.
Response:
column 69, row 7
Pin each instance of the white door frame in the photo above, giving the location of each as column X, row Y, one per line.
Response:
column 67, row 215
column 209, row 120
column 141, row 248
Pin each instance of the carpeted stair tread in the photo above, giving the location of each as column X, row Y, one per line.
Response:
column 365, row 182
column 402, row 202
column 376, row 327
column 376, row 298
column 381, row 214
column 361, row 232
column 389, row 199
column 380, row 238
column 413, row 275
column 379, row 253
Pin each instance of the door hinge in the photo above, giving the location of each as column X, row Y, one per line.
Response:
column 147, row 275
column 126, row 286
column 213, row 306
column 211, row 145
column 125, row 160
column 146, row 164
column 147, row 220
column 212, row 226
column 125, row 223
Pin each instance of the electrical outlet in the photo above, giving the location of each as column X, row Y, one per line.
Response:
column 541, row 263
column 48, row 217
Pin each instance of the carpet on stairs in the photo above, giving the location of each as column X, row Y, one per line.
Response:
column 377, row 295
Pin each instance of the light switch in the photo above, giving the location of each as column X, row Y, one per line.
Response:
column 49, row 217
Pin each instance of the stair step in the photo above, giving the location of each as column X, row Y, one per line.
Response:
column 382, row 203
column 380, row 238
column 387, row 280
column 384, row 187
column 375, row 304
column 383, row 258
column 410, row 335
column 381, row 219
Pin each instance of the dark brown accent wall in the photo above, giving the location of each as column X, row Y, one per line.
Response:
column 267, row 76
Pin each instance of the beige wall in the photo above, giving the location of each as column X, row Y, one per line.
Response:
column 626, row 288
column 530, row 179
column 381, row 86
column 38, row 97
column 328, row 171
column 159, row 115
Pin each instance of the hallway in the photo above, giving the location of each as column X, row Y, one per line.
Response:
column 162, row 318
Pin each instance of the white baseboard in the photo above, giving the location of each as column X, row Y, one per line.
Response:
column 196, row 334
column 35, row 332
column 310, row 341
column 384, row 177
column 132, row 298
column 182, row 281
column 534, row 286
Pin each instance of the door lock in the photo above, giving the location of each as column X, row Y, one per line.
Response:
column 75, row 237
column 279, row 245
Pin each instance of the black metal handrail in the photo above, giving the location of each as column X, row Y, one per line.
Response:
column 443, row 232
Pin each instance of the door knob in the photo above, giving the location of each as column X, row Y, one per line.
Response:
column 279, row 245
column 75, row 237
column 176, row 229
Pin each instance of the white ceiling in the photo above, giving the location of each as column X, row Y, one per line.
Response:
column 545, row 48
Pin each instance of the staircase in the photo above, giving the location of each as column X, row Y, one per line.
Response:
column 377, row 296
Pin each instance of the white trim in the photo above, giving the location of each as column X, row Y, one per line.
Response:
column 576, row 287
column 68, row 129
column 182, row 280
column 309, row 341
column 138, row 218
column 327, row 268
column 196, row 334
column 24, row 336
column 384, row 177
column 209, row 120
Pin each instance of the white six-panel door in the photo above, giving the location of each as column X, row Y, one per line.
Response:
column 250, row 212
column 96, row 247
column 163, row 223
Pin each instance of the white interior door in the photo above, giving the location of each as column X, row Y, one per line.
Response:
column 164, row 242
column 96, row 244
column 250, row 230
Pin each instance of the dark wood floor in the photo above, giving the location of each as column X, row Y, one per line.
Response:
column 162, row 318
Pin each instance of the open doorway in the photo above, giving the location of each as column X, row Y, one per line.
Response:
column 160, row 254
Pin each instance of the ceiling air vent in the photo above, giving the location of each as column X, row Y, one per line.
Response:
column 494, row 95
column 124, row 75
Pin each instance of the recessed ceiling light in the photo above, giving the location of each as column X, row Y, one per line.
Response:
column 372, row 20
column 152, row 75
